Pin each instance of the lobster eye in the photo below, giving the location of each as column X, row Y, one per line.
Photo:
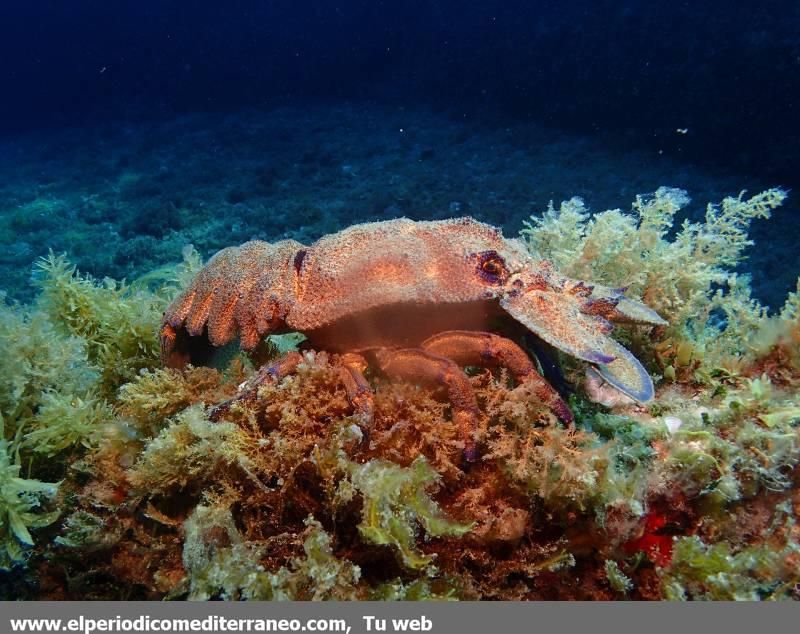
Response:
column 491, row 267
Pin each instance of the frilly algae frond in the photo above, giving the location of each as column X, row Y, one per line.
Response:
column 37, row 359
column 715, row 572
column 23, row 506
column 155, row 395
column 115, row 320
column 394, row 500
column 683, row 278
column 616, row 578
column 63, row 359
column 61, row 423
column 191, row 449
column 221, row 564
column 113, row 465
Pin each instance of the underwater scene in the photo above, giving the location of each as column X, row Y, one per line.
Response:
column 411, row 300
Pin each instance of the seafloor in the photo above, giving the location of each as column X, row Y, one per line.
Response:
column 120, row 479
column 122, row 199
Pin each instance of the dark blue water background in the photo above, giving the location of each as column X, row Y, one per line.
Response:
column 713, row 85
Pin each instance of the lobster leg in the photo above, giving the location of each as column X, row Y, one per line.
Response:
column 359, row 391
column 282, row 367
column 351, row 372
column 417, row 365
column 488, row 350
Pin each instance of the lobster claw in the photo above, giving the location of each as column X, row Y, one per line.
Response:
column 578, row 326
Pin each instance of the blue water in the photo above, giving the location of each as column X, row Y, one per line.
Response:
column 151, row 124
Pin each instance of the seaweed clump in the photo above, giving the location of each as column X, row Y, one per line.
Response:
column 221, row 564
column 23, row 504
column 131, row 490
column 114, row 320
column 689, row 278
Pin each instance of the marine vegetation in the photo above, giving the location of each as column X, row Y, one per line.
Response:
column 339, row 468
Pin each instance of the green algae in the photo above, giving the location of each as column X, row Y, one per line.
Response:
column 38, row 360
column 190, row 449
column 417, row 590
column 221, row 564
column 394, row 501
column 155, row 395
column 85, row 531
column 117, row 322
column 23, row 504
column 62, row 423
column 617, row 579
column 701, row 571
column 604, row 470
column 685, row 277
